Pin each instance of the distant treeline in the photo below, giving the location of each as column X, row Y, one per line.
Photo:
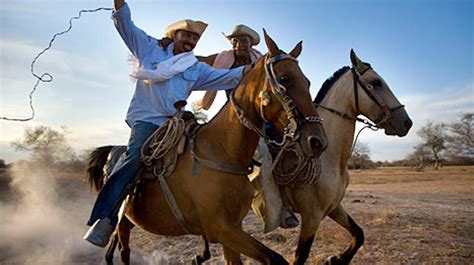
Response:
column 369, row 164
column 442, row 144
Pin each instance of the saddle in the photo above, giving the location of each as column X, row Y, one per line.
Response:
column 160, row 152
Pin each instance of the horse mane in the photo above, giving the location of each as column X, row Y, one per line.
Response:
column 329, row 83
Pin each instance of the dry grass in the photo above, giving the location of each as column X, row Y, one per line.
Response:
column 409, row 217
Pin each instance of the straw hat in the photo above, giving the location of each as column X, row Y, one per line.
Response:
column 244, row 30
column 194, row 26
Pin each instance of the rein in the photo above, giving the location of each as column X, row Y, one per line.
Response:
column 212, row 164
column 290, row 132
column 369, row 89
column 373, row 95
column 305, row 172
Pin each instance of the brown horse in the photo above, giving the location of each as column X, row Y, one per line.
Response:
column 347, row 94
column 214, row 202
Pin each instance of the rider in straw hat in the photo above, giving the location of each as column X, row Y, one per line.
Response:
column 277, row 210
column 242, row 39
column 167, row 72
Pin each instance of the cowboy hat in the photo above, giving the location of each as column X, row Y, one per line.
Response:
column 194, row 26
column 244, row 30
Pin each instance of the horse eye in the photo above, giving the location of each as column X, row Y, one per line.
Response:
column 377, row 83
column 284, row 79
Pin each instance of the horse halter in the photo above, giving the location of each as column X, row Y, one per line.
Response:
column 291, row 129
column 373, row 95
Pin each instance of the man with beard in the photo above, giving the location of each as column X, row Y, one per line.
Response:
column 168, row 72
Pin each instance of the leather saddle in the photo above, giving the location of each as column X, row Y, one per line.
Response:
column 167, row 164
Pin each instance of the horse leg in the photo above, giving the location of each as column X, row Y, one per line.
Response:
column 309, row 226
column 345, row 220
column 109, row 256
column 206, row 254
column 234, row 238
column 231, row 258
column 123, row 233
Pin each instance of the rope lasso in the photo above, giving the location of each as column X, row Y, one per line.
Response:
column 305, row 172
column 47, row 77
column 165, row 138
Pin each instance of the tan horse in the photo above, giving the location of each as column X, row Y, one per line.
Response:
column 215, row 202
column 348, row 93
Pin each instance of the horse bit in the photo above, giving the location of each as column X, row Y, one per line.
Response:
column 290, row 131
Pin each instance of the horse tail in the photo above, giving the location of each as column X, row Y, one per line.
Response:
column 95, row 167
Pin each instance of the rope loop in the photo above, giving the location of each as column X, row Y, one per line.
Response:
column 164, row 139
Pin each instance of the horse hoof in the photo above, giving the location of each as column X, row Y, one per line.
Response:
column 197, row 260
column 332, row 260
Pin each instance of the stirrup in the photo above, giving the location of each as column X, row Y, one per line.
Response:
column 99, row 233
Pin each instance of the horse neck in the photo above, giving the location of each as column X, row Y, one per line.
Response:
column 229, row 141
column 339, row 130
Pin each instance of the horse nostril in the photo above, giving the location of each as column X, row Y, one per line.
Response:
column 408, row 123
column 315, row 143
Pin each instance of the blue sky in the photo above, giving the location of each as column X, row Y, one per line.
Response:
column 423, row 49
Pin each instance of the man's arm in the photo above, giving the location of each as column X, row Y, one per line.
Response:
column 219, row 79
column 137, row 41
column 207, row 59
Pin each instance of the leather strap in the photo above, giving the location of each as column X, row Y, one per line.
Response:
column 211, row 164
column 173, row 204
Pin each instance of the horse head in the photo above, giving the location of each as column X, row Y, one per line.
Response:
column 285, row 102
column 374, row 99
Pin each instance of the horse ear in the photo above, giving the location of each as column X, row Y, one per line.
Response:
column 356, row 62
column 297, row 50
column 272, row 47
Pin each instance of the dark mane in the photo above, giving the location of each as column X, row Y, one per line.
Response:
column 329, row 83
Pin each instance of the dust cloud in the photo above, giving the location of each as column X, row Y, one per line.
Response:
column 44, row 220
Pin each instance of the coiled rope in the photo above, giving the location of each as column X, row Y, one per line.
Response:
column 165, row 138
column 303, row 173
column 47, row 77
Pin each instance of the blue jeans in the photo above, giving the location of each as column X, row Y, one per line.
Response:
column 112, row 192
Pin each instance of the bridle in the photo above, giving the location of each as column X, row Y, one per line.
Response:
column 359, row 81
column 294, row 116
column 372, row 93
column 369, row 89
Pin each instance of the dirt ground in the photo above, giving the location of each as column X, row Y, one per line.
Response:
column 408, row 217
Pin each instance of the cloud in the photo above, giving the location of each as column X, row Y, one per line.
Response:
column 97, row 133
column 18, row 55
column 20, row 7
column 444, row 105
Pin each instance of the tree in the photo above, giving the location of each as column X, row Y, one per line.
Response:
column 360, row 158
column 460, row 142
column 419, row 157
column 434, row 137
column 48, row 147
